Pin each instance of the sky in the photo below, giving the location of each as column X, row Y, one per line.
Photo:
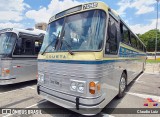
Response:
column 140, row 15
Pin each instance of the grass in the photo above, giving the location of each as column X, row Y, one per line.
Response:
column 153, row 61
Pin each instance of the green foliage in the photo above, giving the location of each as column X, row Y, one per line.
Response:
column 149, row 40
column 153, row 61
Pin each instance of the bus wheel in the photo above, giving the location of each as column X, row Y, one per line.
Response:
column 122, row 85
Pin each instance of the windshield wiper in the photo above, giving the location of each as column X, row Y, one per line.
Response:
column 61, row 40
column 57, row 38
column 68, row 47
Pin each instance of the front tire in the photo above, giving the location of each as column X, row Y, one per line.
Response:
column 122, row 85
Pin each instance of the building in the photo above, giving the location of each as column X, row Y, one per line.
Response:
column 41, row 26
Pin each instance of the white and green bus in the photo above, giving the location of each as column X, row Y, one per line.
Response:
column 89, row 55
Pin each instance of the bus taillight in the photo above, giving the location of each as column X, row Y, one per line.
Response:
column 5, row 72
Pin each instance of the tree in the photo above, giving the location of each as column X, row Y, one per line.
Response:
column 149, row 40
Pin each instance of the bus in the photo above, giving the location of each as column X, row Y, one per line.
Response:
column 151, row 55
column 88, row 56
column 19, row 49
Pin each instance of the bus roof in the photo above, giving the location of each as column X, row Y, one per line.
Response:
column 35, row 32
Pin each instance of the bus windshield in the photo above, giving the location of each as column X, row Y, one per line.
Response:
column 7, row 41
column 81, row 32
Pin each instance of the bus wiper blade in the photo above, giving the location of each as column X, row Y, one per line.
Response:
column 68, row 47
column 66, row 43
column 61, row 40
column 57, row 38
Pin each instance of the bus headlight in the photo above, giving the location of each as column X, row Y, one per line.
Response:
column 73, row 86
column 80, row 87
column 41, row 77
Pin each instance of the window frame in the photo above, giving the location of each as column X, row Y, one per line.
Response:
column 25, row 56
column 141, row 45
column 107, row 36
column 12, row 33
column 103, row 44
column 122, row 34
column 134, row 37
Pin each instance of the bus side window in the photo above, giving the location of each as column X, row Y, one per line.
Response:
column 125, row 34
column 17, row 50
column 133, row 41
column 138, row 44
column 112, row 43
column 24, row 47
column 141, row 47
column 28, row 47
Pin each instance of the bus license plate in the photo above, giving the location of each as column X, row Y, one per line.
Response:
column 55, row 82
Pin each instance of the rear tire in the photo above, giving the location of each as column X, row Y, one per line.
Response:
column 122, row 85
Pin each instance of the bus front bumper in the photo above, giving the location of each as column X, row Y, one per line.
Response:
column 85, row 106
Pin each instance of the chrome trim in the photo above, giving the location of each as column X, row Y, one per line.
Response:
column 70, row 94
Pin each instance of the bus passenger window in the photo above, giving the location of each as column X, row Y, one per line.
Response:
column 141, row 48
column 28, row 47
column 24, row 47
column 112, row 43
column 18, row 47
column 138, row 44
column 125, row 35
column 133, row 41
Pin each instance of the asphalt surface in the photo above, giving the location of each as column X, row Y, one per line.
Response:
column 24, row 95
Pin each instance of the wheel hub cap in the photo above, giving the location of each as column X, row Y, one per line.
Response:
column 122, row 84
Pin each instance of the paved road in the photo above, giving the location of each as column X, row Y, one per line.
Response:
column 24, row 95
